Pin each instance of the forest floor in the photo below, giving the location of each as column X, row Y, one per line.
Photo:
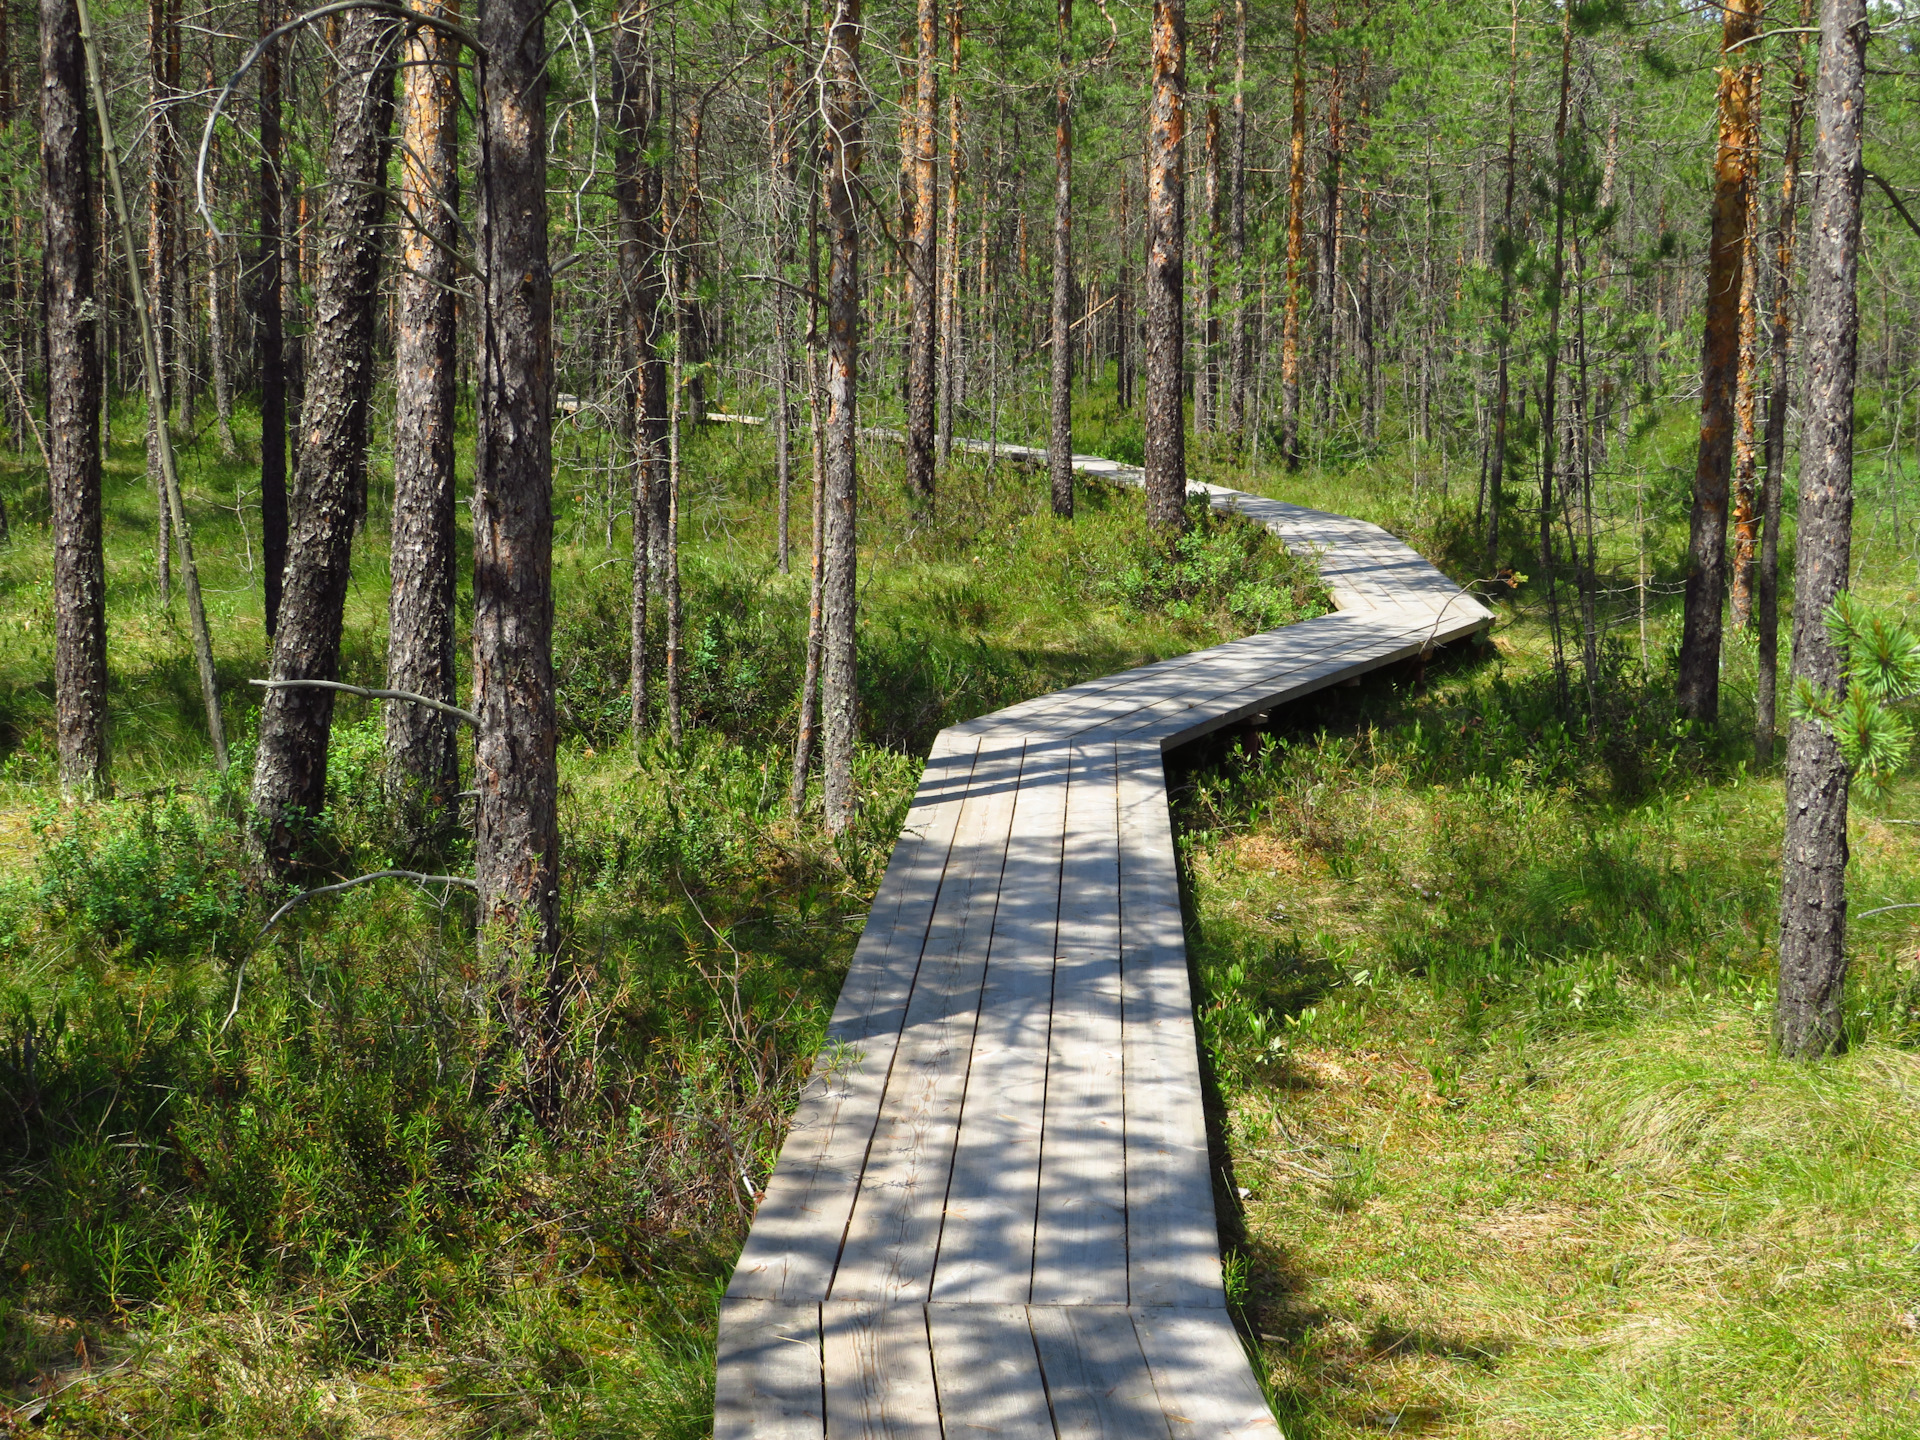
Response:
column 1484, row 984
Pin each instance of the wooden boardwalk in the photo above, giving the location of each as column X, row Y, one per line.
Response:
column 993, row 1214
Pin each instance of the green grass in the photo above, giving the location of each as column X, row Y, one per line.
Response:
column 1488, row 997
column 1484, row 989
column 286, row 1185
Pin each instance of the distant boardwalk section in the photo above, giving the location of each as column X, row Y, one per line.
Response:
column 993, row 1214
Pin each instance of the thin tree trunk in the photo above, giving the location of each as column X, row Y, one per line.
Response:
column 676, row 613
column 950, row 371
column 1237, row 339
column 290, row 768
column 638, row 187
column 1785, row 237
column 805, row 731
column 1698, row 684
column 922, row 261
column 162, row 177
column 1296, row 247
column 843, row 103
column 1504, row 248
column 783, row 160
column 155, row 382
column 1206, row 380
column 1746, row 514
column 1333, row 180
column 268, row 316
column 1550, row 391
column 423, row 757
column 73, row 407
column 1166, row 455
column 1813, row 894
column 1060, row 429
column 1369, row 359
column 216, row 309
column 517, row 839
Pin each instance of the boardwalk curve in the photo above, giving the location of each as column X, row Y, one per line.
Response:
column 993, row 1214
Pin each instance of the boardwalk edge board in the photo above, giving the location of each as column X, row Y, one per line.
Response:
column 993, row 1211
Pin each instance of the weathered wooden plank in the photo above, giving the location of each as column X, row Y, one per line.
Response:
column 768, row 1385
column 890, row 1245
column 986, row 1238
column 1206, row 1386
column 878, row 1370
column 1080, row 1240
column 795, row 1239
column 1173, row 1247
column 988, row 1373
column 1097, row 1377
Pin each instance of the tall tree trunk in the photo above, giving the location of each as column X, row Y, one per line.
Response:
column 783, row 161
column 923, row 283
column 638, row 187
column 1166, row 446
column 1699, row 669
column 162, row 178
column 806, row 728
column 1550, row 391
column 1813, row 893
column 1504, row 251
column 216, row 307
column 517, row 841
column 1237, row 340
column 1060, row 429
column 1746, row 514
column 1785, row 237
column 423, row 757
column 290, row 768
column 676, row 613
column 1206, row 379
column 73, row 407
column 268, row 316
column 1369, row 359
column 154, row 377
column 844, row 105
column 950, row 371
column 1296, row 247
column 1333, row 182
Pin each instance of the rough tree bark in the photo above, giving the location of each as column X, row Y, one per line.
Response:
column 923, row 283
column 638, row 188
column 950, row 259
column 73, row 406
column 1813, row 894
column 1698, row 681
column 1746, row 395
column 1166, row 454
column 423, row 756
column 1328, row 302
column 1296, row 247
column 268, row 316
column 1206, row 377
column 843, row 104
column 1237, row 337
column 1785, row 238
column 1060, row 428
column 517, row 840
column 163, row 168
column 290, row 768
column 783, row 161
column 1504, row 248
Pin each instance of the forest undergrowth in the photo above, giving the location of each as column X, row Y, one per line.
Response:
column 1484, row 987
column 281, row 1183
column 1487, row 995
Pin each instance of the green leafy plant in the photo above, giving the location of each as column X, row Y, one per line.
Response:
column 1880, row 672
